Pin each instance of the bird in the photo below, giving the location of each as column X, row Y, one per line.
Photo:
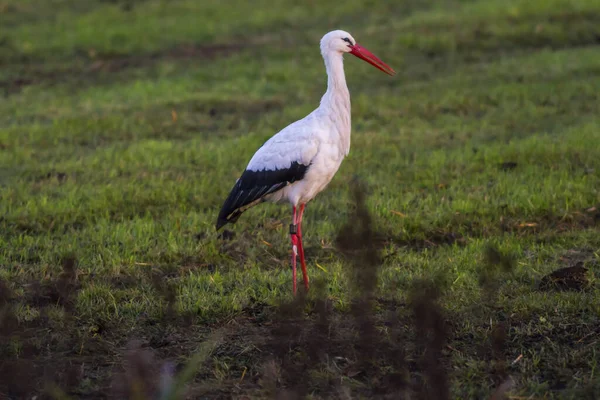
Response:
column 298, row 162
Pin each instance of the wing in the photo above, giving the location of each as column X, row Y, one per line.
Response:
column 252, row 186
column 282, row 160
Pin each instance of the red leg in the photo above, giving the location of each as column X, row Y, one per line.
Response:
column 295, row 242
column 301, row 248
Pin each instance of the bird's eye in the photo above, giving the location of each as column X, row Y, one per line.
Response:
column 347, row 41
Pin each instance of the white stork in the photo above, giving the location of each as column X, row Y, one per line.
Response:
column 299, row 162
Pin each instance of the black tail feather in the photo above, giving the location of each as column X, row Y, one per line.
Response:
column 240, row 200
column 253, row 186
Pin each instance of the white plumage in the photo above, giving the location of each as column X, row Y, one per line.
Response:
column 298, row 162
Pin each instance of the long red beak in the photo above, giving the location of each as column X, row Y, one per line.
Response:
column 364, row 54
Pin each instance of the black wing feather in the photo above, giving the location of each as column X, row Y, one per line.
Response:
column 253, row 186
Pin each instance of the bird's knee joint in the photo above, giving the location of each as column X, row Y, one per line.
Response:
column 293, row 229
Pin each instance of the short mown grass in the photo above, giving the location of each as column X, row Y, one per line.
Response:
column 124, row 124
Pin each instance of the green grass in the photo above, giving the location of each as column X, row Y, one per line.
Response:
column 123, row 125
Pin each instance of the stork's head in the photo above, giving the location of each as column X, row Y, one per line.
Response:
column 342, row 42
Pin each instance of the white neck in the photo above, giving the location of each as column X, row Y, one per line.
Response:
column 336, row 101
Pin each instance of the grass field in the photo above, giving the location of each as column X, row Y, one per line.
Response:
column 124, row 124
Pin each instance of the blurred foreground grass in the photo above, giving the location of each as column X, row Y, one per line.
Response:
column 123, row 125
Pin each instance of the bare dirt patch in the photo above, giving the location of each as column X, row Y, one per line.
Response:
column 432, row 239
column 116, row 63
column 577, row 220
column 573, row 278
column 96, row 67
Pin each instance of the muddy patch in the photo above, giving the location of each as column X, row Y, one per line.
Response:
column 573, row 278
